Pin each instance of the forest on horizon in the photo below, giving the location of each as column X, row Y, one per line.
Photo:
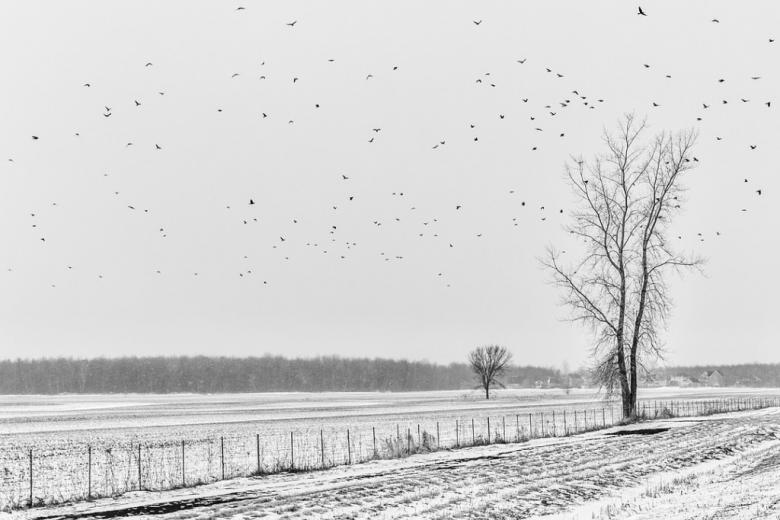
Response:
column 202, row 374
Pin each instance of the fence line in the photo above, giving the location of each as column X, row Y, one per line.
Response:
column 162, row 465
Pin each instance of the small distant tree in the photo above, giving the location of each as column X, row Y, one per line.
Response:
column 489, row 363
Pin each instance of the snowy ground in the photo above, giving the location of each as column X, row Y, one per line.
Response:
column 721, row 466
column 89, row 445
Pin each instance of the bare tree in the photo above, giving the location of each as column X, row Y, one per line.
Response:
column 627, row 199
column 489, row 363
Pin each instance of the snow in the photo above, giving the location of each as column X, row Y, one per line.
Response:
column 723, row 466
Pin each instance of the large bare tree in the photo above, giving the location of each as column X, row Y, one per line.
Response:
column 627, row 199
column 489, row 363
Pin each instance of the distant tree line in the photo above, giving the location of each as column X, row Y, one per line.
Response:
column 201, row 374
column 222, row 374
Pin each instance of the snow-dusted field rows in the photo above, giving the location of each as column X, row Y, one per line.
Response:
column 92, row 445
column 722, row 466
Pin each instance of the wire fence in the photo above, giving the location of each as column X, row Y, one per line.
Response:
column 82, row 471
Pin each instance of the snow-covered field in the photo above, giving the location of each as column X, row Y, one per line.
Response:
column 723, row 466
column 254, row 428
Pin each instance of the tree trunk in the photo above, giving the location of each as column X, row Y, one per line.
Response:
column 633, row 390
column 487, row 392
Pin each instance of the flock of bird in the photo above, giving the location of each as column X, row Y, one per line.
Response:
column 334, row 241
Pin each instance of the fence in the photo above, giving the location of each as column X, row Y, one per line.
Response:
column 85, row 471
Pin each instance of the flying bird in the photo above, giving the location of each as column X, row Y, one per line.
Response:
column 640, row 12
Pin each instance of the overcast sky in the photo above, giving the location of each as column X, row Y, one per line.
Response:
column 92, row 287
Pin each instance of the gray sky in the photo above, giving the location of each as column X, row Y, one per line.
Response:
column 369, row 303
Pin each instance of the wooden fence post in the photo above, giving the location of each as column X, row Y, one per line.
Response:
column 322, row 448
column 349, row 449
column 292, row 452
column 222, row 455
column 488, row 424
column 473, row 436
column 438, row 437
column 530, row 427
column 373, row 436
column 457, row 434
column 503, row 426
column 565, row 429
column 257, row 450
column 183, row 479
column 140, row 487
column 89, row 472
column 555, row 431
column 31, row 478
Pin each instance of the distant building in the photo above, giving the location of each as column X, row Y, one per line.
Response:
column 711, row 378
column 682, row 380
column 542, row 384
